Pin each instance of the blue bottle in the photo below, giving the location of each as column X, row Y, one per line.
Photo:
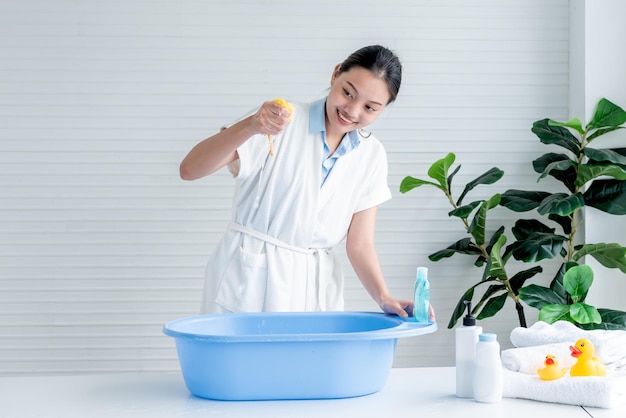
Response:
column 421, row 300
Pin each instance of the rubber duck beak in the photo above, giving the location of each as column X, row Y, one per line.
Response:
column 549, row 361
column 575, row 351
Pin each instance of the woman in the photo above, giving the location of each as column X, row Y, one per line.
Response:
column 321, row 184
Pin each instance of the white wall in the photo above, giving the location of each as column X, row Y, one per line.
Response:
column 598, row 71
column 101, row 243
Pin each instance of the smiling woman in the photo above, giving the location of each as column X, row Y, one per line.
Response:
column 277, row 254
column 361, row 87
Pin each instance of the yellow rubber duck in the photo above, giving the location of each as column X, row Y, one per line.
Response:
column 551, row 369
column 586, row 363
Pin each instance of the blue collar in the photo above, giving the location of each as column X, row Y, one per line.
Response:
column 317, row 122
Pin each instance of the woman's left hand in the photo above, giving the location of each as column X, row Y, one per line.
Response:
column 402, row 308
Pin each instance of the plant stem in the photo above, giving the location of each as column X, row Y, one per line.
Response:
column 454, row 206
column 574, row 217
column 570, row 241
column 518, row 305
column 520, row 314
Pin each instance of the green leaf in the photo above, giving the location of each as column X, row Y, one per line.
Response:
column 541, row 247
column 577, row 281
column 611, row 255
column 557, row 282
column 519, row 279
column 602, row 131
column 535, row 241
column 439, row 169
column 607, row 195
column 410, row 183
column 607, row 114
column 492, row 307
column 489, row 177
column 561, row 204
column 465, row 211
column 491, row 290
column 589, row 172
column 496, row 264
column 480, row 260
column 451, row 176
column 584, row 314
column 539, row 296
column 494, row 239
column 611, row 320
column 463, row 246
column 479, row 223
column 574, row 123
column 606, row 155
column 527, row 229
column 522, row 201
column 553, row 313
column 565, row 173
column 557, row 166
column 556, row 135
column 565, row 222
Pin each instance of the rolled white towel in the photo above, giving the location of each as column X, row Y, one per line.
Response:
column 594, row 391
column 528, row 359
column 610, row 346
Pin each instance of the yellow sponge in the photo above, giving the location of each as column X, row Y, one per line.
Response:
column 285, row 104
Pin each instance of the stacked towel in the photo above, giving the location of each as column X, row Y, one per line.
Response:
column 593, row 391
column 533, row 344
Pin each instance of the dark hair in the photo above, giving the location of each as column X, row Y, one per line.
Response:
column 382, row 62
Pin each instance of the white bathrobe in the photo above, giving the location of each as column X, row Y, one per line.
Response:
column 276, row 254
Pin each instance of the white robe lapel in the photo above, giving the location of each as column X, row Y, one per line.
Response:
column 336, row 176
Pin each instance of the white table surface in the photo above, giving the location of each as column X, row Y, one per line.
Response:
column 409, row 392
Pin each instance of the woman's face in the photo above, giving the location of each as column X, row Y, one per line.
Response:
column 355, row 100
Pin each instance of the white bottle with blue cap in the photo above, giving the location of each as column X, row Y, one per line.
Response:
column 487, row 369
column 421, row 294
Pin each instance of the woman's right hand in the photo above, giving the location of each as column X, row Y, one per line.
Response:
column 270, row 119
column 215, row 152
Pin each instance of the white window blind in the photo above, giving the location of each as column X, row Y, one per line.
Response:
column 101, row 243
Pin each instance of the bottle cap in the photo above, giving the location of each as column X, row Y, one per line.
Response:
column 469, row 320
column 422, row 272
column 487, row 337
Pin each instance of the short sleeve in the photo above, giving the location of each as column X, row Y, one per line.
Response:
column 240, row 168
column 376, row 190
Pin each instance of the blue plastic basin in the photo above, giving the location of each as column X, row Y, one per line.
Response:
column 312, row 355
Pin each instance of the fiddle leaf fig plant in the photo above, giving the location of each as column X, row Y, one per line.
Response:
column 591, row 177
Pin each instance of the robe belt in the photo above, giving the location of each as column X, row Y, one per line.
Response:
column 321, row 278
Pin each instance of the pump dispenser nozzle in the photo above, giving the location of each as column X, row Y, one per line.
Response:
column 469, row 320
